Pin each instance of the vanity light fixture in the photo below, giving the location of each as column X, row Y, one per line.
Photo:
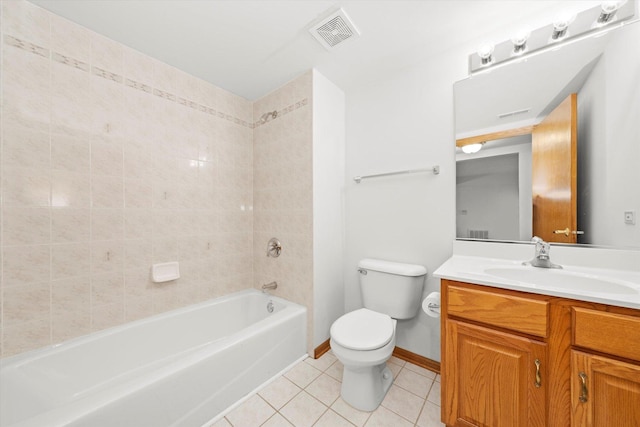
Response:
column 485, row 52
column 608, row 12
column 472, row 148
column 567, row 27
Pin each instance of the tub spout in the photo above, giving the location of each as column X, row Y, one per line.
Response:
column 272, row 285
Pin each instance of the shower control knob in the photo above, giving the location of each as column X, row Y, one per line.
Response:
column 274, row 248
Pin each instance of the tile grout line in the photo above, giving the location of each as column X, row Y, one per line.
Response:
column 327, row 408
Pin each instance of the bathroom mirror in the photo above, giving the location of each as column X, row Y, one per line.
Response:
column 499, row 109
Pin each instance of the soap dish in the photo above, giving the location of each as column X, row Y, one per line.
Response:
column 165, row 272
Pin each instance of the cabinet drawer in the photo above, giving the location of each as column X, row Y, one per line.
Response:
column 519, row 314
column 615, row 334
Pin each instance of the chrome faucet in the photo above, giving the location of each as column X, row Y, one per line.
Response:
column 272, row 285
column 541, row 259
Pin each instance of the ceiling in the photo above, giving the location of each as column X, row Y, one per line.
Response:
column 251, row 47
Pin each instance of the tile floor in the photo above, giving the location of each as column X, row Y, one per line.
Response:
column 309, row 395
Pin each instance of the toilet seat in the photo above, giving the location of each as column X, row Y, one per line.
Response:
column 363, row 330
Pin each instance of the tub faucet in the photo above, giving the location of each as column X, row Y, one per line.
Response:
column 541, row 258
column 272, row 285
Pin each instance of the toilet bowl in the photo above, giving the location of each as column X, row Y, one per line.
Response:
column 364, row 339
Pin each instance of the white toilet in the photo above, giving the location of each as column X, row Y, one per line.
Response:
column 364, row 339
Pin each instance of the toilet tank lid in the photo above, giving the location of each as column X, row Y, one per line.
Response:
column 391, row 267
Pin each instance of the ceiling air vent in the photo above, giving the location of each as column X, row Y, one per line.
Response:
column 513, row 113
column 334, row 30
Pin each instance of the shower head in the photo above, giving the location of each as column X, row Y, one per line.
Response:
column 266, row 116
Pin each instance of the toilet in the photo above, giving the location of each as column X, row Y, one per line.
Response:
column 364, row 339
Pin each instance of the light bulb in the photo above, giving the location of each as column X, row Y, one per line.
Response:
column 608, row 13
column 484, row 52
column 519, row 41
column 472, row 148
column 611, row 6
column 561, row 25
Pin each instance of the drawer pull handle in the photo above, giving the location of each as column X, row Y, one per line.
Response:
column 538, row 382
column 583, row 387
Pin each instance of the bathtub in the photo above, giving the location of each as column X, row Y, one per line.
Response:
column 180, row 368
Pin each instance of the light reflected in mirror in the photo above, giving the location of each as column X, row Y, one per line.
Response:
column 495, row 199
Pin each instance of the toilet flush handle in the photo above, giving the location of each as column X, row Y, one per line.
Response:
column 362, row 271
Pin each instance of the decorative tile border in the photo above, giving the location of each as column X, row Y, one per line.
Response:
column 106, row 74
column 83, row 66
column 284, row 112
column 139, row 86
column 72, row 62
column 29, row 47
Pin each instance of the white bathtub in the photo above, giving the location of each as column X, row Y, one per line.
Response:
column 179, row 368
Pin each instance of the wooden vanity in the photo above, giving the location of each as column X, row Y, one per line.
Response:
column 518, row 359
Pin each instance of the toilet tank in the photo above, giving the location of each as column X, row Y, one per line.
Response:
column 392, row 288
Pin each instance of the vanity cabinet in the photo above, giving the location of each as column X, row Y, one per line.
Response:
column 495, row 359
column 604, row 391
column 498, row 377
column 605, row 368
column 520, row 359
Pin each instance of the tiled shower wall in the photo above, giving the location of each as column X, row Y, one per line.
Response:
column 112, row 161
column 283, row 193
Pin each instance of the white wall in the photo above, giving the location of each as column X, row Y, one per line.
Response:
column 328, row 218
column 525, row 195
column 489, row 201
column 608, row 111
column 404, row 122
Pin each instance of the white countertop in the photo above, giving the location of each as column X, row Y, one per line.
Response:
column 607, row 286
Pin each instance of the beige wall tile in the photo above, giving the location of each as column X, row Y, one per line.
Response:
column 26, row 20
column 70, row 225
column 25, row 147
column 107, row 54
column 70, row 39
column 138, row 193
column 26, row 336
column 22, row 265
column 71, row 97
column 138, row 253
column 107, row 191
column 69, row 295
column 107, row 288
column 106, row 256
column 138, row 223
column 134, row 178
column 70, row 189
column 70, row 259
column 26, row 88
column 26, row 187
column 21, row 303
column 70, row 153
column 106, row 103
column 107, row 224
column 106, row 316
column 138, row 308
column 107, row 157
column 70, row 324
column 137, row 66
column 23, row 226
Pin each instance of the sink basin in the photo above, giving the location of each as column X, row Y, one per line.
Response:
column 562, row 279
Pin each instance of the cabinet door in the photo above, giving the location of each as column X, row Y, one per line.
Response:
column 492, row 378
column 604, row 392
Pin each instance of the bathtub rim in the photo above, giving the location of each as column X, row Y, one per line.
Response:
column 20, row 358
column 289, row 309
